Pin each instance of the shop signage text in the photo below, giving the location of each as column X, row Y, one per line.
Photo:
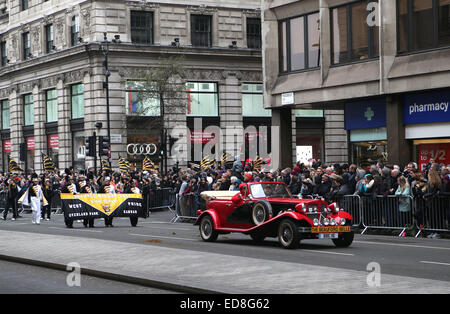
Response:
column 426, row 107
column 439, row 152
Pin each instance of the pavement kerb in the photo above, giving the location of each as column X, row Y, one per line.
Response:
column 112, row 276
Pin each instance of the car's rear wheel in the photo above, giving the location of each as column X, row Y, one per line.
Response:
column 288, row 234
column 207, row 231
column 261, row 212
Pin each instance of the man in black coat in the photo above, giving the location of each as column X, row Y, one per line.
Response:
column 12, row 196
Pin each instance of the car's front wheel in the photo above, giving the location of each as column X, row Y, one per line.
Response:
column 288, row 234
column 344, row 239
column 207, row 231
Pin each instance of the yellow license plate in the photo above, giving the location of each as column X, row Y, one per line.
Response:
column 332, row 229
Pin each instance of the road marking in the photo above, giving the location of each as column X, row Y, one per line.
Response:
column 158, row 236
column 82, row 230
column 171, row 228
column 436, row 263
column 327, row 252
column 404, row 245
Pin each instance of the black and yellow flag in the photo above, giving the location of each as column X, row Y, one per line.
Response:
column 124, row 165
column 147, row 164
column 257, row 163
column 14, row 167
column 206, row 162
column 49, row 165
column 226, row 159
column 105, row 165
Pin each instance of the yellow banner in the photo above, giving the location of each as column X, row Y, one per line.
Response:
column 106, row 203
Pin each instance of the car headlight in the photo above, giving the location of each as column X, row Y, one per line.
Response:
column 316, row 222
column 326, row 221
column 333, row 222
column 343, row 221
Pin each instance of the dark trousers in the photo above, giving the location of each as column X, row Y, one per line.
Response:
column 47, row 209
column 108, row 221
column 89, row 222
column 13, row 204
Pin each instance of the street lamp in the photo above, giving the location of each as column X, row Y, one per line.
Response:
column 104, row 47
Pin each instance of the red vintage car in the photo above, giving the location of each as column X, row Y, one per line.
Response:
column 267, row 209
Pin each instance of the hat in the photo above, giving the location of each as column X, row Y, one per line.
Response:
column 257, row 179
column 248, row 176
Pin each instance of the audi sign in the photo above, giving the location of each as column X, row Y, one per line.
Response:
column 141, row 149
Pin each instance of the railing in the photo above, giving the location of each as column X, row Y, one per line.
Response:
column 186, row 207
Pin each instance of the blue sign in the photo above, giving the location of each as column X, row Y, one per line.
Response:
column 426, row 107
column 365, row 114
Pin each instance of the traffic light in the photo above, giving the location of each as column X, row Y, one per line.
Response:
column 104, row 146
column 90, row 146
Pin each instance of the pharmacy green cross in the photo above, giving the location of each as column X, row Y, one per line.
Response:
column 369, row 114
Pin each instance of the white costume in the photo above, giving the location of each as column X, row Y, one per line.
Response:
column 35, row 203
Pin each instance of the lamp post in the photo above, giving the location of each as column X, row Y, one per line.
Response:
column 105, row 49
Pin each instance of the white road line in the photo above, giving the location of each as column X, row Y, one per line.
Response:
column 436, row 263
column 404, row 245
column 158, row 236
column 168, row 229
column 326, row 252
column 82, row 230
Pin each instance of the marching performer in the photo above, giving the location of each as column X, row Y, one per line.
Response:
column 33, row 197
column 106, row 188
column 48, row 192
column 11, row 200
column 85, row 187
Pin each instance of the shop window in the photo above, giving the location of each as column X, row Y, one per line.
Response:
column 28, row 109
column 77, row 101
column 79, row 150
column 308, row 113
column 51, row 99
column 140, row 102
column 422, row 24
column 353, row 39
column 5, row 115
column 365, row 154
column 202, row 99
column 252, row 101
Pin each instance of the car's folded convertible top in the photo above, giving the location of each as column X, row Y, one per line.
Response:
column 221, row 195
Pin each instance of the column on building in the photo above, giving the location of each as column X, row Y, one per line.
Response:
column 282, row 138
column 231, row 123
column 89, row 112
column 64, row 132
column 40, row 138
column 16, row 115
column 398, row 147
column 336, row 145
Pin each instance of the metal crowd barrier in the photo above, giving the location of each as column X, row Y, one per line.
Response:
column 160, row 199
column 432, row 214
column 352, row 205
column 387, row 212
column 186, row 207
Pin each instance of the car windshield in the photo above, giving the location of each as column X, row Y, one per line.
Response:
column 262, row 190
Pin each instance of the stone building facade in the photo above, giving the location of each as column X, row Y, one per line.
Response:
column 52, row 73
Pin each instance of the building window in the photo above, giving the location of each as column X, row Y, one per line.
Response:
column 252, row 101
column 49, row 37
column 3, row 55
column 299, row 43
column 24, row 5
column 28, row 109
column 254, row 33
column 5, row 115
column 51, row 99
column 77, row 101
column 201, row 35
column 75, row 30
column 141, row 27
column 423, row 24
column 139, row 103
column 202, row 99
column 352, row 38
column 26, row 45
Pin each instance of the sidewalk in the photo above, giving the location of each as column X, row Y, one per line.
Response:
column 199, row 272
